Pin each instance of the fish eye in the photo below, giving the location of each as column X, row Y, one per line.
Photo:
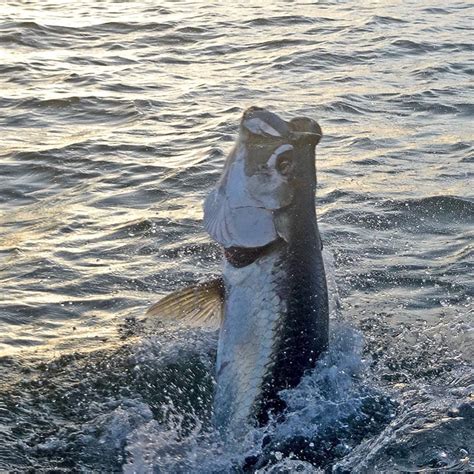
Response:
column 284, row 163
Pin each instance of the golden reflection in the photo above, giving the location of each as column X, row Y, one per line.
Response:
column 149, row 89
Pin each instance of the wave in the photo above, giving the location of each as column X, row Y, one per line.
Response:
column 453, row 208
column 392, row 214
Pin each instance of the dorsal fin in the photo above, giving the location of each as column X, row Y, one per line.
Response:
column 200, row 305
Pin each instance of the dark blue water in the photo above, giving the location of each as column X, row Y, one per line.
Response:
column 116, row 119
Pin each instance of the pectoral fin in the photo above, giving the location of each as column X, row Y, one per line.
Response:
column 200, row 305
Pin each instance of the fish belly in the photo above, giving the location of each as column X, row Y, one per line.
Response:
column 254, row 310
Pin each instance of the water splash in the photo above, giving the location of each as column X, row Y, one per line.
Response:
column 330, row 411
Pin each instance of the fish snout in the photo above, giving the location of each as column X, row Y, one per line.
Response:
column 305, row 130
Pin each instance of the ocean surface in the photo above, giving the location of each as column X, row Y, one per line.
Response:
column 116, row 118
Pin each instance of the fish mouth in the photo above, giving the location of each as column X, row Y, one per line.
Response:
column 260, row 122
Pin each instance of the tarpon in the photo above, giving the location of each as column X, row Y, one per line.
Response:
column 271, row 303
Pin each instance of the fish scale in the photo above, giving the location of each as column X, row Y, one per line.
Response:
column 248, row 338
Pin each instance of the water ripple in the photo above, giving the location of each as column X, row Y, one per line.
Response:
column 117, row 118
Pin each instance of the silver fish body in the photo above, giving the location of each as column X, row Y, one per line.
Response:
column 267, row 341
column 275, row 321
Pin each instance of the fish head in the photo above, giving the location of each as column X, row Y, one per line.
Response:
column 271, row 163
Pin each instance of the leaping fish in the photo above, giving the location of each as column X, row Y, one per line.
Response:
column 271, row 303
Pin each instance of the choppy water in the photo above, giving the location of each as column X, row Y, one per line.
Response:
column 116, row 118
